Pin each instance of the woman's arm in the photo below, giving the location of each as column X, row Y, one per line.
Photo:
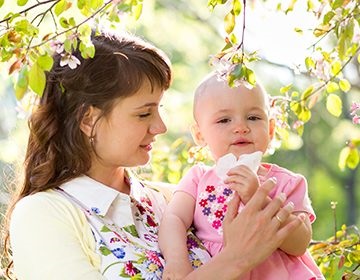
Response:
column 45, row 240
column 244, row 231
column 173, row 235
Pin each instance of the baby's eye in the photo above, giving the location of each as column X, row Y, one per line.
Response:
column 254, row 118
column 224, row 120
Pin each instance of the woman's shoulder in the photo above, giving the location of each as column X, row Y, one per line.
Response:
column 42, row 205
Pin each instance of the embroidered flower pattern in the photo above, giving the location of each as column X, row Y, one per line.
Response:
column 213, row 201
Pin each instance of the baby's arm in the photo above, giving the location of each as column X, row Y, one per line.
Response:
column 244, row 181
column 298, row 241
column 173, row 235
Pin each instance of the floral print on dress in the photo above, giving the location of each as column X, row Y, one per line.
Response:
column 131, row 251
column 213, row 202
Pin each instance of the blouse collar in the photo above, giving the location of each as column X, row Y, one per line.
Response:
column 93, row 194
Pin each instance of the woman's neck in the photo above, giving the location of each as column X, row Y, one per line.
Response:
column 114, row 178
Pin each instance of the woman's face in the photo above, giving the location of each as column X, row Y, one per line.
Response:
column 124, row 137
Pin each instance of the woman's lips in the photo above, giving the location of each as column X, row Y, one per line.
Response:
column 147, row 147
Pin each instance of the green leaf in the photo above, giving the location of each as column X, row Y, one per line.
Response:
column 1, row 3
column 22, row 82
column 307, row 92
column 68, row 46
column 336, row 4
column 250, row 77
column 21, row 2
column 348, row 157
column 237, row 73
column 305, row 115
column 295, row 107
column 37, row 79
column 285, row 89
column 336, row 67
column 353, row 159
column 45, row 62
column 341, row 47
column 344, row 84
column 64, row 22
column 96, row 4
column 87, row 50
column 332, row 87
column 310, row 5
column 60, row 7
column 334, row 105
column 81, row 4
column 137, row 10
column 237, row 7
column 309, row 62
column 72, row 21
column 294, row 94
column 328, row 16
column 229, row 22
column 20, row 92
column 85, row 30
column 349, row 30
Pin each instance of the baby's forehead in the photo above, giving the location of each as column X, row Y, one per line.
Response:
column 214, row 86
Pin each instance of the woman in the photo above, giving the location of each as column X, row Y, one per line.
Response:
column 80, row 213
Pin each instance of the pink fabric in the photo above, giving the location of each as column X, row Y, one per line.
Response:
column 212, row 196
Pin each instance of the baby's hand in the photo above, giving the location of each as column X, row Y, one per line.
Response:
column 176, row 269
column 242, row 180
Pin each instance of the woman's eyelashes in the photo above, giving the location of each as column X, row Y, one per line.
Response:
column 144, row 115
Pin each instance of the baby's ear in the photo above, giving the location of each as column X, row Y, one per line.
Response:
column 89, row 119
column 196, row 134
column 271, row 128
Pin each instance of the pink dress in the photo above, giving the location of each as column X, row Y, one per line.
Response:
column 212, row 196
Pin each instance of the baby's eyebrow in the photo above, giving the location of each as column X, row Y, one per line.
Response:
column 222, row 111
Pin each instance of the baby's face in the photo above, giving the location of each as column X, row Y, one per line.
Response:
column 233, row 120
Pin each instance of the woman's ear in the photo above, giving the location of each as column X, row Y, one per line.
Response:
column 196, row 134
column 271, row 128
column 89, row 119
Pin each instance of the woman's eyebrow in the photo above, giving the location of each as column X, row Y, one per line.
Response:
column 150, row 104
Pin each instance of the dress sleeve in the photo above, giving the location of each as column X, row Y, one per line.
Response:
column 191, row 180
column 297, row 191
column 51, row 239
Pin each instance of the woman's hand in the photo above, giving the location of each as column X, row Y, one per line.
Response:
column 253, row 234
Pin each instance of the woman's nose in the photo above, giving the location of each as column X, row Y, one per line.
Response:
column 158, row 127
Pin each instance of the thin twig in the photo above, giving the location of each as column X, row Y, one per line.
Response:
column 74, row 27
column 28, row 9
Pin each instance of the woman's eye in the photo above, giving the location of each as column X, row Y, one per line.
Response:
column 144, row 115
